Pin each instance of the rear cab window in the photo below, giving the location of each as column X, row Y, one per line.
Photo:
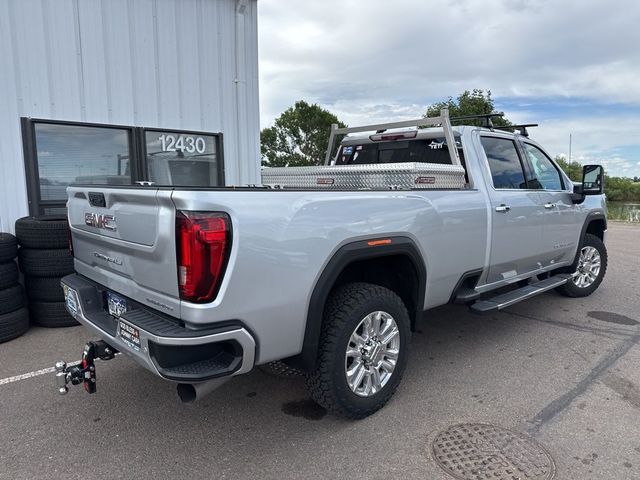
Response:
column 429, row 150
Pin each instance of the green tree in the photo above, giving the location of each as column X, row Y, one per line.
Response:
column 573, row 169
column 298, row 137
column 617, row 189
column 475, row 102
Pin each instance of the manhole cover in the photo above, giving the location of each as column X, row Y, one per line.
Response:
column 280, row 369
column 475, row 451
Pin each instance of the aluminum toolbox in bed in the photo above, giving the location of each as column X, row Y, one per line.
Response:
column 395, row 176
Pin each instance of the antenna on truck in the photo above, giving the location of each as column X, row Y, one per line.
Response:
column 441, row 120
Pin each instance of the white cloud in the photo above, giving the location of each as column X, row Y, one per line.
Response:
column 379, row 60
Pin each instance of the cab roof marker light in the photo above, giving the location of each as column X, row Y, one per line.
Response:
column 381, row 241
column 393, row 136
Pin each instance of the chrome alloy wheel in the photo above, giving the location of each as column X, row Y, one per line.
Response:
column 372, row 354
column 588, row 267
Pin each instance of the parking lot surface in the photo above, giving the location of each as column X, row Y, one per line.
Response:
column 562, row 372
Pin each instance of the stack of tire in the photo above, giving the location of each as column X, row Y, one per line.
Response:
column 45, row 258
column 14, row 317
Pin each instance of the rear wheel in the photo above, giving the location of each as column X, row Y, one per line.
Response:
column 363, row 350
column 589, row 268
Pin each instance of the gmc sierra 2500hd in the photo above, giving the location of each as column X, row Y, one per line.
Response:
column 328, row 267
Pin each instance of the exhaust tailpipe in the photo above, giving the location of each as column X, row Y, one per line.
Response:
column 190, row 392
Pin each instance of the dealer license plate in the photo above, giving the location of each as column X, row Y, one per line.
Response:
column 116, row 304
column 71, row 300
column 129, row 335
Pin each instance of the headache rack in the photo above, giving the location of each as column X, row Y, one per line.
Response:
column 380, row 176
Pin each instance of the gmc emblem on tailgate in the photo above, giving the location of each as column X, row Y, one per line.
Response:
column 98, row 220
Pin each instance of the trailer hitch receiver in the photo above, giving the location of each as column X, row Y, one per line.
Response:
column 85, row 372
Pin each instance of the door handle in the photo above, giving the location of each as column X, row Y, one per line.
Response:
column 503, row 208
column 549, row 205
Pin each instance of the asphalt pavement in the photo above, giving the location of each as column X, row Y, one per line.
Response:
column 563, row 373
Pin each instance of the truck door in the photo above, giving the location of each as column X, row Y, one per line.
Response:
column 517, row 216
column 562, row 218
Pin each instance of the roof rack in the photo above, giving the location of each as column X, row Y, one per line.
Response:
column 485, row 117
column 522, row 127
column 442, row 120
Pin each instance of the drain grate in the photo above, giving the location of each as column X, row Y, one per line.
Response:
column 476, row 451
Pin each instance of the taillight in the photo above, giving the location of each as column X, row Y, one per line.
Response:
column 203, row 242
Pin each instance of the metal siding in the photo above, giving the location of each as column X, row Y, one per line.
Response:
column 182, row 64
column 13, row 192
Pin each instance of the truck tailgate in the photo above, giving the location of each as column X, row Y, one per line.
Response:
column 123, row 238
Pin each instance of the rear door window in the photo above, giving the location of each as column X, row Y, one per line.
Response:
column 504, row 163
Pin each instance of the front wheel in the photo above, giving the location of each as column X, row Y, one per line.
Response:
column 363, row 350
column 590, row 267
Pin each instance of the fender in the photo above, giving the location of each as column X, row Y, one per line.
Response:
column 345, row 255
column 593, row 216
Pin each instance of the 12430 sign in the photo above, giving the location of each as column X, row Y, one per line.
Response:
column 182, row 143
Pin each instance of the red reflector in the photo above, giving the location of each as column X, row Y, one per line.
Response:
column 203, row 241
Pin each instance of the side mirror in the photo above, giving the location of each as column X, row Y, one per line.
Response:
column 592, row 180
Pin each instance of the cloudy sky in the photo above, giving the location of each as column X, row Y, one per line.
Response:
column 572, row 66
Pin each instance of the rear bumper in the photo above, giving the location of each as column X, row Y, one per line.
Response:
column 166, row 347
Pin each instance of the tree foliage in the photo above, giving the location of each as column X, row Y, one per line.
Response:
column 573, row 169
column 475, row 102
column 617, row 189
column 298, row 137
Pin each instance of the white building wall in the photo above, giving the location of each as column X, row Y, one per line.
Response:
column 175, row 64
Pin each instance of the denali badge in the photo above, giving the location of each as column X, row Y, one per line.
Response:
column 98, row 220
column 102, row 256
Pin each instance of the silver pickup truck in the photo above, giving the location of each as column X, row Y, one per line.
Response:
column 328, row 268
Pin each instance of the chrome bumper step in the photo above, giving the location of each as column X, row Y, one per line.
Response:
column 523, row 293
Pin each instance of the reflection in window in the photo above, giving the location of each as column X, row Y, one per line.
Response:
column 184, row 159
column 68, row 154
column 504, row 163
column 547, row 176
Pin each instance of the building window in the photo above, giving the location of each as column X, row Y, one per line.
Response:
column 59, row 154
column 183, row 158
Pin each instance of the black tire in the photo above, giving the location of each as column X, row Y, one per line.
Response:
column 45, row 263
column 44, row 289
column 47, row 232
column 51, row 314
column 8, row 247
column 11, row 299
column 8, row 274
column 570, row 289
column 345, row 309
column 13, row 324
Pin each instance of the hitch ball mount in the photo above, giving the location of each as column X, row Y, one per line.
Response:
column 85, row 372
